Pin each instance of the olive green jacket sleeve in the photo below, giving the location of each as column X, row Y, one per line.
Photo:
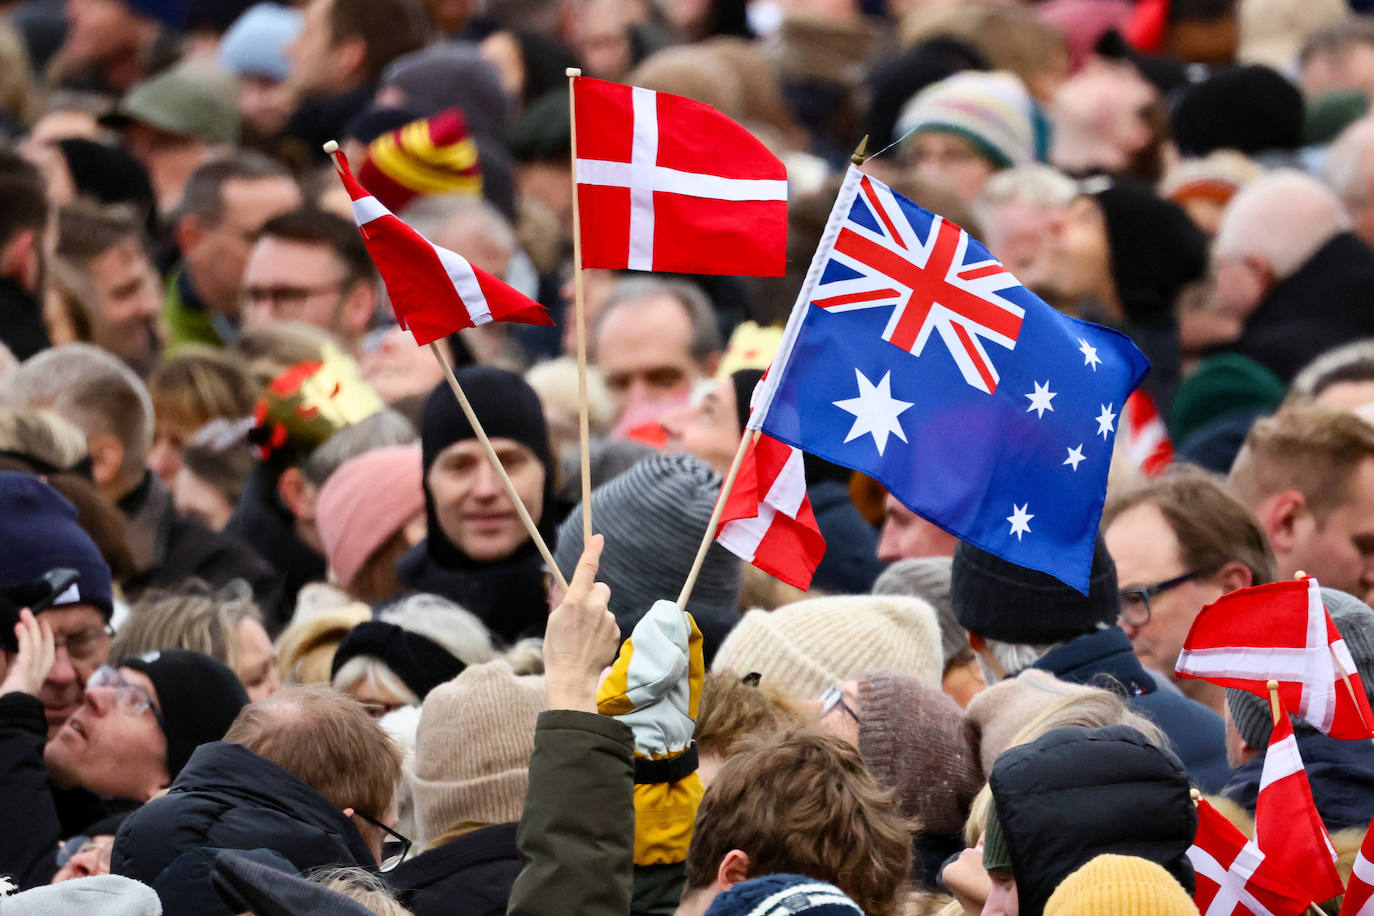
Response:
column 577, row 833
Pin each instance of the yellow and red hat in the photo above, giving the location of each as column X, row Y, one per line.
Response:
column 434, row 155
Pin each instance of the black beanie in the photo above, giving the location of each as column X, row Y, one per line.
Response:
column 1156, row 250
column 420, row 662
column 1248, row 109
column 744, row 382
column 1003, row 601
column 198, row 696
column 111, row 175
column 507, row 408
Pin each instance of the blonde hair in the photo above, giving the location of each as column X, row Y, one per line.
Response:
column 41, row 434
column 200, row 384
column 305, row 650
column 1314, row 450
column 18, row 91
column 362, row 887
column 191, row 616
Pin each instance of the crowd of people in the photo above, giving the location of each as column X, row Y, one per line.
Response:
column 273, row 637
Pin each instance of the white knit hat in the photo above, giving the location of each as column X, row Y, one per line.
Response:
column 473, row 747
column 807, row 646
column 993, row 110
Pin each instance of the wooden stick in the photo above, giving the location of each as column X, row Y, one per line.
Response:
column 750, row 435
column 580, row 316
column 1274, row 699
column 496, row 463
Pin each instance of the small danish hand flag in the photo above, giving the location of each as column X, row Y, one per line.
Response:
column 767, row 519
column 433, row 291
column 1234, row 878
column 1281, row 631
column 1359, row 895
column 665, row 183
column 1287, row 826
column 1144, row 435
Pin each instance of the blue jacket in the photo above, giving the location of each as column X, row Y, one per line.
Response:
column 1341, row 774
column 850, row 564
column 1105, row 659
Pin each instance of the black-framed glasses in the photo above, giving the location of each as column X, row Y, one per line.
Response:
column 1135, row 602
column 394, row 846
column 130, row 699
column 833, row 697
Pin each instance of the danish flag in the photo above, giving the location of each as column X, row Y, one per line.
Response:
column 1233, row 876
column 666, row 183
column 767, row 519
column 1281, row 631
column 1145, row 436
column 1359, row 895
column 930, row 284
column 433, row 291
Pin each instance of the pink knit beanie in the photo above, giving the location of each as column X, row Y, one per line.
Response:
column 367, row 500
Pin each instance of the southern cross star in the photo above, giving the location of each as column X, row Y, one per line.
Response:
column 1075, row 456
column 875, row 411
column 1090, row 357
column 1040, row 399
column 1104, row 421
column 1020, row 520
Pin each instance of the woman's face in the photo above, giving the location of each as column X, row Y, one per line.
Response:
column 473, row 509
column 257, row 668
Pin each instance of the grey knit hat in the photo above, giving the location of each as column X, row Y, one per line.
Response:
column 1355, row 621
column 928, row 578
column 653, row 517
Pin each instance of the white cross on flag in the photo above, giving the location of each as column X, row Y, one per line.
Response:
column 668, row 184
column 1233, row 876
column 1359, row 894
column 1280, row 631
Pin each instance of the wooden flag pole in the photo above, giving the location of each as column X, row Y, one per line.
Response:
column 496, row 463
column 580, row 317
column 749, row 437
column 1274, row 699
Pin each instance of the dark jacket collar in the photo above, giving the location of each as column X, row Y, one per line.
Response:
column 1341, row 774
column 1102, row 659
column 507, row 595
column 443, row 863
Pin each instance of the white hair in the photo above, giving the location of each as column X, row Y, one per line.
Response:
column 1347, row 170
column 1013, row 657
column 1281, row 218
column 434, row 216
column 1033, row 184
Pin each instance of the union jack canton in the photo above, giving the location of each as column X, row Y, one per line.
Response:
column 1000, row 431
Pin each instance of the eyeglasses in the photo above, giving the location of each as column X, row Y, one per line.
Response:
column 85, row 645
column 286, row 298
column 835, row 697
column 66, row 851
column 394, row 847
column 1135, row 602
column 130, row 699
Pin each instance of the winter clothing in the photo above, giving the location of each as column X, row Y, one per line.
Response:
column 1341, row 774
column 782, row 895
column 996, row 714
column 229, row 798
column 197, row 696
column 108, row 895
column 992, row 110
column 256, row 43
column 433, row 155
column 421, row 663
column 472, row 875
column 507, row 594
column 1123, row 886
column 653, row 516
column 803, row 648
column 1222, row 385
column 366, row 501
column 111, row 175
column 261, row 519
column 183, row 101
column 1248, row 109
column 1105, row 659
column 21, row 321
column 188, row 319
column 1326, row 302
column 928, row 578
column 319, row 120
column 1000, row 600
column 265, row 884
column 169, row 13
column 743, row 381
column 851, row 560
column 894, row 81
column 1078, row 792
column 472, row 749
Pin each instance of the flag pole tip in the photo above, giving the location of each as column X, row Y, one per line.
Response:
column 1272, row 685
column 860, row 151
column 1300, row 575
column 331, row 147
column 573, row 71
column 1196, row 794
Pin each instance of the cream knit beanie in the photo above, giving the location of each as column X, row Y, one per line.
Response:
column 807, row 646
column 473, row 747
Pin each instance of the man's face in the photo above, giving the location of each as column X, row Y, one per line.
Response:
column 473, row 509
column 312, row 70
column 395, row 368
column 1019, row 237
column 1079, row 254
column 1241, row 283
column 709, row 428
column 266, row 104
column 1146, row 552
column 949, row 161
column 99, row 31
column 906, row 535
column 293, row 281
column 643, row 349
column 1350, row 68
column 107, row 751
column 129, row 298
column 1339, row 549
column 86, row 645
column 218, row 255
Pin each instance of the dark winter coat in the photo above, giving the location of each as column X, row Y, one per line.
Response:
column 260, row 520
column 507, row 595
column 1076, row 793
column 1105, row 659
column 1341, row 774
column 471, row 875
column 851, row 562
column 227, row 797
column 21, row 321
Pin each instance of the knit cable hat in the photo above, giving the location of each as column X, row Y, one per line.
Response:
column 473, row 747
column 198, row 698
column 1000, row 600
column 996, row 714
column 992, row 110
column 803, row 648
column 653, row 517
column 782, row 895
column 433, row 155
column 913, row 740
column 927, row 578
column 1355, row 622
column 1122, row 886
column 366, row 501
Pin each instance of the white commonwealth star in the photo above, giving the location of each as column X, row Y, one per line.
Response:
column 1075, row 456
column 1020, row 520
column 1090, row 357
column 1040, row 399
column 1104, row 421
column 875, row 411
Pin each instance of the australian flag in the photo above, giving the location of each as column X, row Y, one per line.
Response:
column 913, row 356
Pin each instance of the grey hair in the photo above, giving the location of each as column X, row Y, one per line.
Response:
column 705, row 329
column 1013, row 657
column 383, row 428
column 1349, row 362
column 1347, row 170
column 1032, row 184
column 430, row 214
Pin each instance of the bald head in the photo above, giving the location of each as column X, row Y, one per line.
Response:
column 1279, row 219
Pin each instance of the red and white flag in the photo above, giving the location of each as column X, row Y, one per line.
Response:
column 433, row 291
column 666, row 183
column 767, row 519
column 1280, row 631
column 1233, row 876
column 1359, row 895
column 1144, row 435
column 1287, row 825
